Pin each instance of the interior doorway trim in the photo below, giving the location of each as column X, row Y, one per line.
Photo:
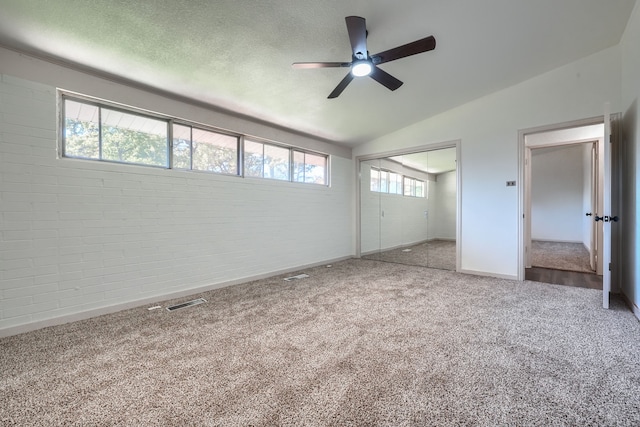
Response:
column 457, row 144
column 522, row 151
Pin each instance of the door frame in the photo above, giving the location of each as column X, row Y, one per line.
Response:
column 457, row 144
column 595, row 195
column 523, row 156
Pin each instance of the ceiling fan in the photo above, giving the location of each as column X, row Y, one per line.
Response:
column 363, row 64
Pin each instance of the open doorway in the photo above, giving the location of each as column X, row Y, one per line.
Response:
column 563, row 199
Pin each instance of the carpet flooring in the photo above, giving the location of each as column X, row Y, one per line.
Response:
column 560, row 256
column 439, row 254
column 363, row 343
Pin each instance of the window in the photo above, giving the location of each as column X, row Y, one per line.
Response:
column 204, row 150
column 383, row 181
column 266, row 160
column 310, row 168
column 395, row 183
column 375, row 180
column 99, row 133
column 97, row 130
column 414, row 187
column 409, row 186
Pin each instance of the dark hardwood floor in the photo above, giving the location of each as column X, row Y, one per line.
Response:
column 561, row 277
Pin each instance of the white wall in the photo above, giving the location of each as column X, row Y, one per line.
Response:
column 79, row 237
column 630, row 155
column 444, row 219
column 557, row 189
column 488, row 130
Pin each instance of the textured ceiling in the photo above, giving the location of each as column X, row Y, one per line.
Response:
column 237, row 55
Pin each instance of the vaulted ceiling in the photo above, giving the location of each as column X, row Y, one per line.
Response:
column 237, row 55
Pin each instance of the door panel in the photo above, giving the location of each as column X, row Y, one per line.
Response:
column 594, row 206
column 399, row 203
column 606, row 213
column 370, row 209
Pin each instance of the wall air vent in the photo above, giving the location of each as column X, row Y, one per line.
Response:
column 186, row 304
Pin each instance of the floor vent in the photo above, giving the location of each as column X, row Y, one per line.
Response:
column 298, row 277
column 186, row 304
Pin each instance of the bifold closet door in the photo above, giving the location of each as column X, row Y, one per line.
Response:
column 370, row 209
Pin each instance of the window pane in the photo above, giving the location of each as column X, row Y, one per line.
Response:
column 384, row 181
column 214, row 152
column 181, row 147
column 298, row 166
column 395, row 183
column 419, row 189
column 253, row 158
column 398, row 184
column 392, row 182
column 276, row 162
column 407, row 186
column 315, row 168
column 130, row 138
column 375, row 179
column 81, row 130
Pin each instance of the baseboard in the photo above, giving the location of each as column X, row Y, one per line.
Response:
column 487, row 274
column 83, row 315
column 558, row 241
column 406, row 245
column 634, row 308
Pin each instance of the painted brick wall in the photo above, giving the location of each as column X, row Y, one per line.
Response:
column 78, row 236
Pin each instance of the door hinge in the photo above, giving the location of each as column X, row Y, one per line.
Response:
column 609, row 266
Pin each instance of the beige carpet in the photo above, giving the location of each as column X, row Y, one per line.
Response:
column 439, row 254
column 364, row 343
column 560, row 256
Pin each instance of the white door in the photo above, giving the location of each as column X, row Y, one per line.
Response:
column 605, row 215
column 594, row 207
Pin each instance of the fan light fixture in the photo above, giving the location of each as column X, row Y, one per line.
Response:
column 363, row 64
column 361, row 68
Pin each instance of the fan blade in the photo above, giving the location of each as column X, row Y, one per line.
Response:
column 418, row 46
column 341, row 86
column 320, row 64
column 357, row 28
column 385, row 79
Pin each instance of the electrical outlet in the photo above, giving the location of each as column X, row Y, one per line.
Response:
column 511, row 183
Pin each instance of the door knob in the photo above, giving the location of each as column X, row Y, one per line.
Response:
column 607, row 218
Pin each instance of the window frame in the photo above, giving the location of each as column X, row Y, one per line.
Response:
column 403, row 183
column 413, row 187
column 326, row 173
column 64, row 95
column 388, row 181
column 100, row 104
column 289, row 149
column 199, row 126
